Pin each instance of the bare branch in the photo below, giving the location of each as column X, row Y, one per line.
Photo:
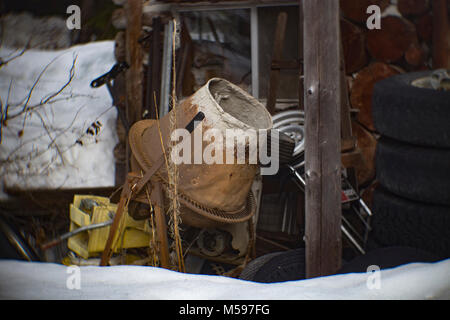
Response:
column 4, row 115
column 49, row 153
column 4, row 62
column 54, row 100
column 24, row 109
column 71, row 76
column 52, row 140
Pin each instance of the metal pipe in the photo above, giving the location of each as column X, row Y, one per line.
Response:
column 166, row 74
column 75, row 232
column 15, row 241
column 365, row 207
column 352, row 240
column 254, row 34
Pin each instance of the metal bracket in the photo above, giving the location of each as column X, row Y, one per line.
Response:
column 106, row 79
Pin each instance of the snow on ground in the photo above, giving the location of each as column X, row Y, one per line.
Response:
column 39, row 147
column 26, row 280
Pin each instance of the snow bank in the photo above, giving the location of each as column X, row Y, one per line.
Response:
column 25, row 280
column 44, row 152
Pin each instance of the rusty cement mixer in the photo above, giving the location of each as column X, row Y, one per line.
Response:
column 216, row 196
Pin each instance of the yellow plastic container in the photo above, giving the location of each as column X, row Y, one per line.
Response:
column 91, row 243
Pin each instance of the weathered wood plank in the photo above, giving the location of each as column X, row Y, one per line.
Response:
column 301, row 88
column 133, row 11
column 322, row 135
column 441, row 50
column 278, row 45
column 153, row 92
column 134, row 75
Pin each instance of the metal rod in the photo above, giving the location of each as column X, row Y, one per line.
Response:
column 166, row 70
column 285, row 209
column 358, row 213
column 365, row 207
column 352, row 240
column 254, row 34
column 272, row 242
column 298, row 176
column 352, row 228
column 15, row 241
column 72, row 233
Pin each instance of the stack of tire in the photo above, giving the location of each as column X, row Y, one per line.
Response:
column 411, row 206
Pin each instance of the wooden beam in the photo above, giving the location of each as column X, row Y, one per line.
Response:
column 301, row 103
column 348, row 141
column 153, row 93
column 161, row 228
column 441, row 34
column 278, row 45
column 134, row 75
column 322, row 97
column 286, row 64
column 346, row 122
column 224, row 5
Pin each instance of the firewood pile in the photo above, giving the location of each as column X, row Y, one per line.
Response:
column 403, row 44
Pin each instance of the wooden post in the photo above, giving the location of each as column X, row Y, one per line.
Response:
column 134, row 75
column 301, row 103
column 441, row 35
column 153, row 93
column 161, row 228
column 278, row 45
column 348, row 141
column 322, row 135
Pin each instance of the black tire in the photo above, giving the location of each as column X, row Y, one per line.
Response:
column 386, row 258
column 416, row 173
column 400, row 222
column 253, row 266
column 280, row 267
column 411, row 114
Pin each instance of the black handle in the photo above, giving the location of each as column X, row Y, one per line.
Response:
column 111, row 74
column 191, row 125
